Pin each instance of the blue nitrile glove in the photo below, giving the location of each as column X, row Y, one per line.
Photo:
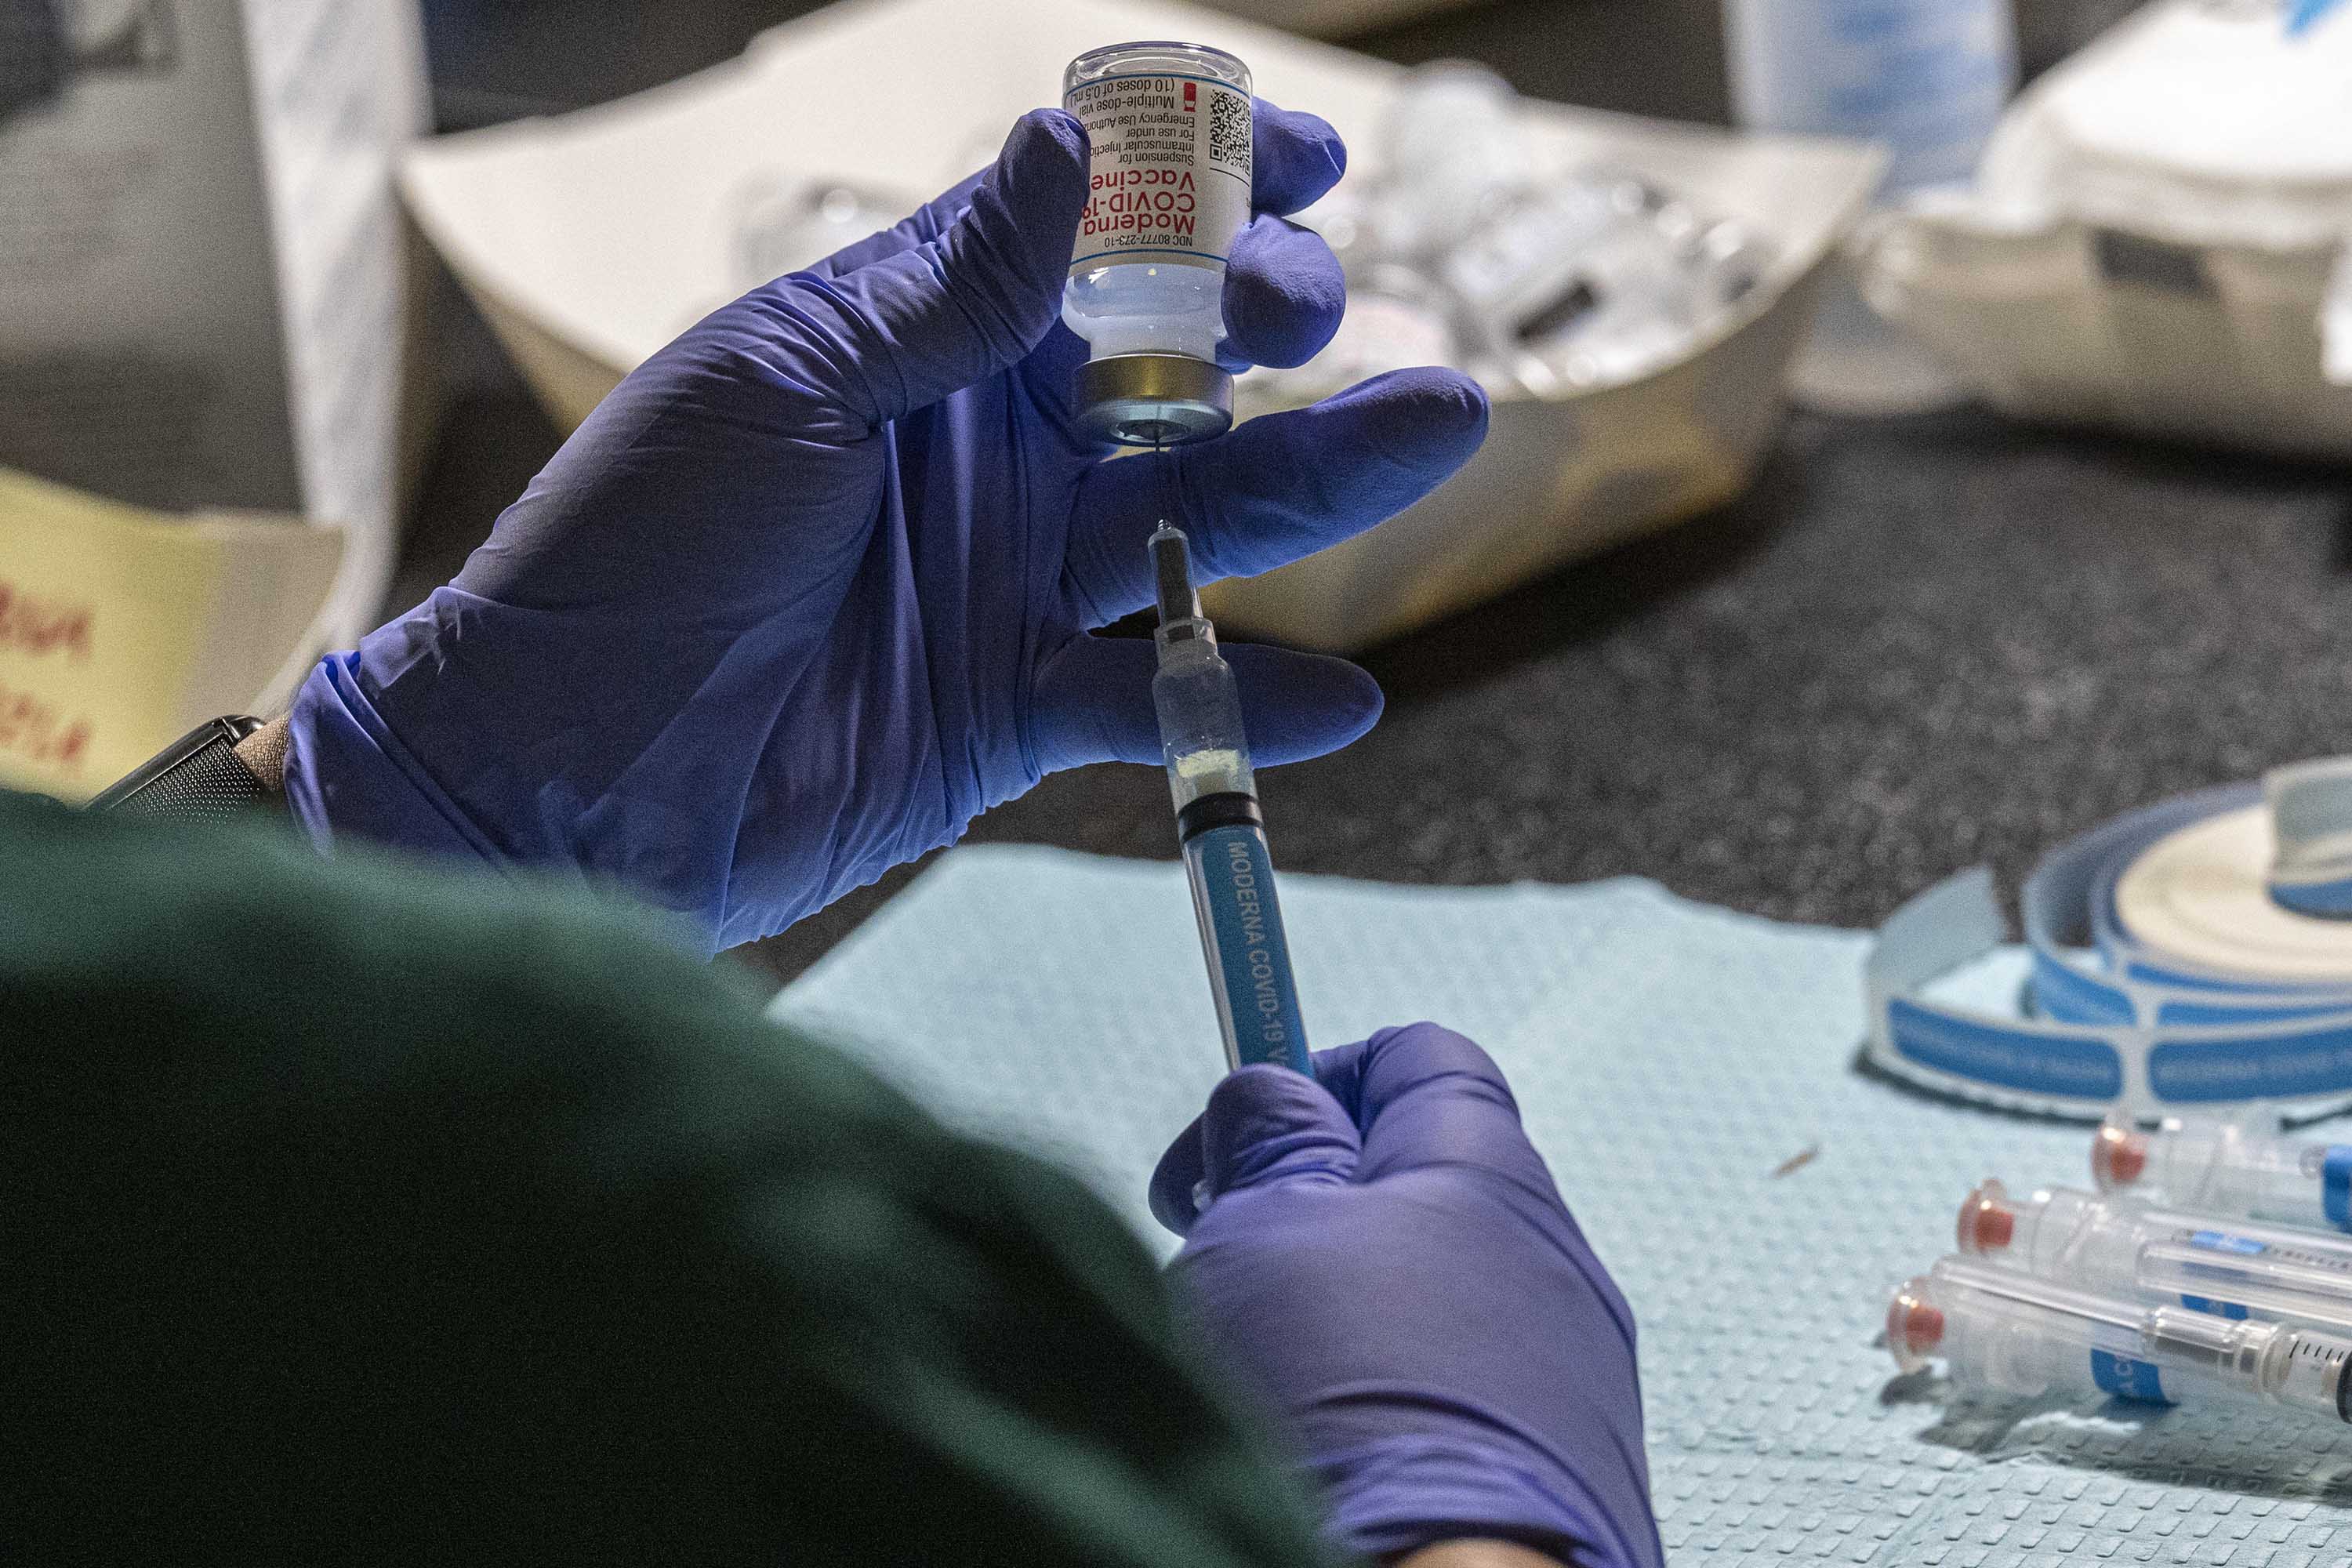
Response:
column 1384, row 1256
column 814, row 585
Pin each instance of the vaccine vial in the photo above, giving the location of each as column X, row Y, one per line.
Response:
column 1168, row 189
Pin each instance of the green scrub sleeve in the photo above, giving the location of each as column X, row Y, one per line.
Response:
column 357, row 1213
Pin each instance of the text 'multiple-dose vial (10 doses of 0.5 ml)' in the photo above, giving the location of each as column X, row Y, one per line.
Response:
column 1168, row 125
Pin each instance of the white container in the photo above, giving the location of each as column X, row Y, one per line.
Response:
column 2122, row 262
column 1925, row 79
column 592, row 240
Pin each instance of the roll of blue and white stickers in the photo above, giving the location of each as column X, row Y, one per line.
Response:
column 2311, row 819
column 2173, row 960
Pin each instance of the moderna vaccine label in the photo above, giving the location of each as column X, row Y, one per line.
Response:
column 1168, row 179
column 1252, row 954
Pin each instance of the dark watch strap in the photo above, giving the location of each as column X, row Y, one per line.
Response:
column 197, row 778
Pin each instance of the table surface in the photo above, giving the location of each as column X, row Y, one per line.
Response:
column 1915, row 645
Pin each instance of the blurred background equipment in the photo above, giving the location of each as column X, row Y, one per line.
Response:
column 1546, row 281
column 1926, row 79
column 33, row 57
column 782, row 220
column 1630, row 290
column 121, row 627
column 202, row 307
column 46, row 43
column 119, row 34
column 2155, row 241
column 1629, row 293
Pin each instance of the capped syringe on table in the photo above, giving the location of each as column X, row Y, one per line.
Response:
column 2004, row 1332
column 2228, row 1167
column 2229, row 1266
column 1219, row 825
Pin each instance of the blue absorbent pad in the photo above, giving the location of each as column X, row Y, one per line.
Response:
column 1670, row 1058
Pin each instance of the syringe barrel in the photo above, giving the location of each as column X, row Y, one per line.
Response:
column 2074, row 1237
column 1201, row 734
column 2234, row 1270
column 1218, row 824
column 2122, row 1246
column 2004, row 1331
column 1232, row 873
column 2273, row 1363
column 2226, row 1167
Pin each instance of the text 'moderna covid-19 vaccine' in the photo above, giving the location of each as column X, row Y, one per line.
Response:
column 1167, row 190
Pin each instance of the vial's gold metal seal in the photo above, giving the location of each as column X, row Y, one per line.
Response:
column 1154, row 400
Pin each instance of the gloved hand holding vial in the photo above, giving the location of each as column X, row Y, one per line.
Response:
column 819, row 582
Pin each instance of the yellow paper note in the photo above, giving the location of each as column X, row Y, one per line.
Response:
column 116, row 623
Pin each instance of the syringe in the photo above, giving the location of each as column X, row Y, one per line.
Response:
column 2001, row 1331
column 1219, row 825
column 2226, row 1167
column 2120, row 1246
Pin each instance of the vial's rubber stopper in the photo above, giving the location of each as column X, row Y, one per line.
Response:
column 2118, row 1156
column 1154, row 400
column 1915, row 1326
column 1988, row 1223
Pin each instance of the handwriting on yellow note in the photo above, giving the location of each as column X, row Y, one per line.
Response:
column 122, row 628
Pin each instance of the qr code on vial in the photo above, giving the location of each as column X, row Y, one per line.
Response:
column 1229, row 131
